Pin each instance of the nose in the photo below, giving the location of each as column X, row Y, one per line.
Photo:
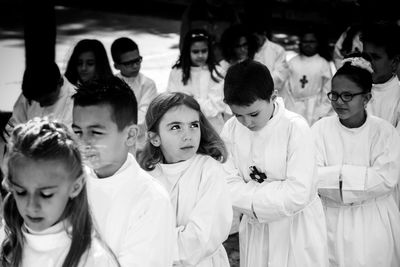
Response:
column 33, row 204
column 246, row 121
column 186, row 135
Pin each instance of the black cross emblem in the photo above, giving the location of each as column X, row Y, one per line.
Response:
column 303, row 81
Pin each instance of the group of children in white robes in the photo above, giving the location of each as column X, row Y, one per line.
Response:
column 309, row 197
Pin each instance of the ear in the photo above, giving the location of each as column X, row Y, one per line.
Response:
column 77, row 186
column 395, row 63
column 367, row 98
column 274, row 95
column 132, row 134
column 154, row 139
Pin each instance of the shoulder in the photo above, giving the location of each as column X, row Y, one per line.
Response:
column 99, row 255
column 146, row 79
column 324, row 124
column 381, row 125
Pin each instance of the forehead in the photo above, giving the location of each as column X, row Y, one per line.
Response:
column 256, row 106
column 181, row 114
column 198, row 45
column 342, row 83
column 30, row 173
column 130, row 55
column 309, row 37
column 373, row 49
column 86, row 56
column 94, row 115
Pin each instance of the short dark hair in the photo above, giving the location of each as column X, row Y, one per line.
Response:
column 246, row 82
column 33, row 84
column 121, row 46
column 384, row 34
column 114, row 92
column 231, row 36
column 360, row 76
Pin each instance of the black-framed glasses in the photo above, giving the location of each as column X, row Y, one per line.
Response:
column 132, row 62
column 345, row 96
column 195, row 35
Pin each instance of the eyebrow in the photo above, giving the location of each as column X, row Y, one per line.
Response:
column 179, row 122
column 41, row 188
column 91, row 126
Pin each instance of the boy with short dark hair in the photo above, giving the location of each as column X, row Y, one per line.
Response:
column 273, row 151
column 127, row 59
column 132, row 211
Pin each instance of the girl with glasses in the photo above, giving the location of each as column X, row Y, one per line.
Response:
column 358, row 158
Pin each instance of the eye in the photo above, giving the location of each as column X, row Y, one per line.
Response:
column 195, row 125
column 77, row 132
column 46, row 195
column 175, row 127
column 254, row 114
column 97, row 133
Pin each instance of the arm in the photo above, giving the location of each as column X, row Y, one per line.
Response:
column 280, row 73
column 283, row 198
column 366, row 182
column 174, row 80
column 149, row 93
column 18, row 116
column 213, row 103
column 210, row 220
column 324, row 107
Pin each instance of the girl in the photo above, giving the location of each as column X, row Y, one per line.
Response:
column 88, row 61
column 46, row 213
column 309, row 80
column 196, row 73
column 237, row 45
column 185, row 153
column 358, row 156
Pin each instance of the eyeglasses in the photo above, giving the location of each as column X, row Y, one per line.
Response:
column 132, row 62
column 345, row 96
column 194, row 35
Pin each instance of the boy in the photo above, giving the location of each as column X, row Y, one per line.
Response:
column 381, row 42
column 272, row 148
column 133, row 212
column 127, row 59
column 42, row 96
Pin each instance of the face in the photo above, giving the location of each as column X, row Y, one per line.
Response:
column 309, row 45
column 104, row 147
column 86, row 66
column 199, row 53
column 49, row 99
column 383, row 66
column 42, row 189
column 130, row 63
column 254, row 116
column 179, row 134
column 352, row 113
column 241, row 49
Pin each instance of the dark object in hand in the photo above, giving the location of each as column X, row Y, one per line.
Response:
column 256, row 175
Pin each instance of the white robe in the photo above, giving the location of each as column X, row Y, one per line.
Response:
column 273, row 56
column 50, row 247
column 283, row 223
column 61, row 110
column 145, row 91
column 200, row 197
column 362, row 217
column 305, row 90
column 134, row 216
column 205, row 90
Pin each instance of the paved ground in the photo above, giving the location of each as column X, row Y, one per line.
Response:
column 157, row 39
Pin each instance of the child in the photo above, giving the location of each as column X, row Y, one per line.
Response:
column 133, row 212
column 381, row 42
column 237, row 44
column 196, row 73
column 271, row 55
column 272, row 148
column 348, row 42
column 358, row 173
column 88, row 61
column 46, row 213
column 184, row 153
column 309, row 80
column 127, row 60
column 42, row 97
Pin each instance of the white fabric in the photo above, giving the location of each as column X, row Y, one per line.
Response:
column 200, row 197
column 357, row 46
column 362, row 218
column 308, row 99
column 273, row 56
column 283, row 222
column 50, row 247
column 205, row 90
column 134, row 216
column 61, row 110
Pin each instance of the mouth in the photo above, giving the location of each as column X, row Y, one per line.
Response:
column 187, row 147
column 35, row 219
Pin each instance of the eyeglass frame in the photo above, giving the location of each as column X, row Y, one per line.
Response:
column 340, row 96
column 132, row 62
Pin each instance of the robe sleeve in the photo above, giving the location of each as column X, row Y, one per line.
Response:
column 18, row 116
column 149, row 93
column 280, row 73
column 174, row 81
column 214, row 104
column 366, row 182
column 324, row 107
column 210, row 221
column 150, row 239
column 288, row 195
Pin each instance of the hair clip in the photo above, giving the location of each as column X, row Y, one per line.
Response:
column 359, row 62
